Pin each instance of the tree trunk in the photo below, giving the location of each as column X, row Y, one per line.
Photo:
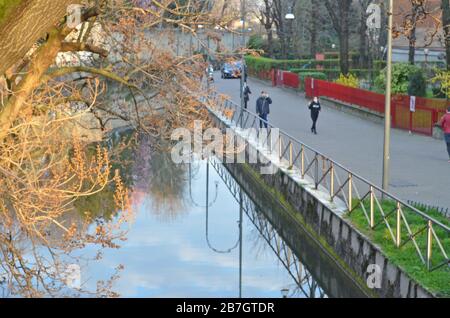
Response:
column 412, row 47
column 339, row 12
column 270, row 42
column 446, row 23
column 25, row 25
column 44, row 59
column 283, row 47
column 344, row 41
column 344, row 55
column 314, row 17
column 363, row 45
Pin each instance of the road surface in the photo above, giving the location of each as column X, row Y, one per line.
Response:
column 419, row 165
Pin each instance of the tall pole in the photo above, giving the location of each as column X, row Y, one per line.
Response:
column 387, row 116
column 240, row 241
column 243, row 17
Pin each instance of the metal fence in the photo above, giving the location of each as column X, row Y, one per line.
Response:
column 402, row 223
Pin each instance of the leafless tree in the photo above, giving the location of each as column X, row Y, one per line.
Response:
column 340, row 13
column 265, row 17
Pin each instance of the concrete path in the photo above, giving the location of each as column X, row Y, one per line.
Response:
column 419, row 167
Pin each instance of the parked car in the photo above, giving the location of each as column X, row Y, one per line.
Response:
column 231, row 70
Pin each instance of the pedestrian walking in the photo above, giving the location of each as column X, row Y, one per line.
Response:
column 263, row 108
column 445, row 124
column 210, row 73
column 247, row 92
column 315, row 109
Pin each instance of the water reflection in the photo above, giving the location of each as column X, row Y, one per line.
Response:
column 196, row 233
column 304, row 284
column 156, row 175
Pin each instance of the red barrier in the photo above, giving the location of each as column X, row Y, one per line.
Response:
column 427, row 111
column 285, row 79
column 291, row 80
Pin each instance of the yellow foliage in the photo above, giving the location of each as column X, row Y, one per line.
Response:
column 349, row 80
column 444, row 78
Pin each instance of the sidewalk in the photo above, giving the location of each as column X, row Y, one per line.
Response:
column 419, row 167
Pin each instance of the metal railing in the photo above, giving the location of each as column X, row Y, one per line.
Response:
column 403, row 223
column 306, row 284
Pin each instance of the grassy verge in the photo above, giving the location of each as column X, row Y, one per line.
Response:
column 437, row 281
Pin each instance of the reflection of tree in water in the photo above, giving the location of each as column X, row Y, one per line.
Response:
column 259, row 245
column 34, row 265
column 157, row 176
column 39, row 238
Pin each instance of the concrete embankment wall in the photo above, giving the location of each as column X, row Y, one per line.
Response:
column 332, row 277
column 325, row 220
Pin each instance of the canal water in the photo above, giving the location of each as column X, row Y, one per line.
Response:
column 185, row 241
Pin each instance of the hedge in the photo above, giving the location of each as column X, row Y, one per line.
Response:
column 257, row 64
column 265, row 64
column 316, row 75
column 332, row 74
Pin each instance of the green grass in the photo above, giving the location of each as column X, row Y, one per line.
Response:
column 406, row 257
column 6, row 7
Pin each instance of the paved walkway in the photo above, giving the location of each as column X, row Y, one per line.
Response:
column 419, row 167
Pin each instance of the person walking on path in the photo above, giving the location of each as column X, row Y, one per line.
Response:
column 247, row 93
column 263, row 108
column 315, row 109
column 445, row 124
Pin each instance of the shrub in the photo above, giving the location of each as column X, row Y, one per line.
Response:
column 316, row 75
column 417, row 84
column 442, row 84
column 333, row 74
column 349, row 80
column 331, row 66
column 256, row 42
column 401, row 73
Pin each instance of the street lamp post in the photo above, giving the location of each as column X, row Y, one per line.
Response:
column 387, row 115
column 243, row 70
column 290, row 18
column 426, row 51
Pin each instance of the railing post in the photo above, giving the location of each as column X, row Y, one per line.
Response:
column 372, row 208
column 316, row 172
column 303, row 162
column 350, row 192
column 399, row 225
column 332, row 182
column 429, row 244
column 291, row 155
column 280, row 147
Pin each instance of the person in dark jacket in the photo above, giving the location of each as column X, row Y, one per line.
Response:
column 247, row 93
column 263, row 108
column 315, row 109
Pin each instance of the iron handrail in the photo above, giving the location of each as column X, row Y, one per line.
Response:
column 345, row 169
column 352, row 177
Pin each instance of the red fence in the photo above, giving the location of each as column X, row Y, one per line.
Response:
column 426, row 114
column 286, row 79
